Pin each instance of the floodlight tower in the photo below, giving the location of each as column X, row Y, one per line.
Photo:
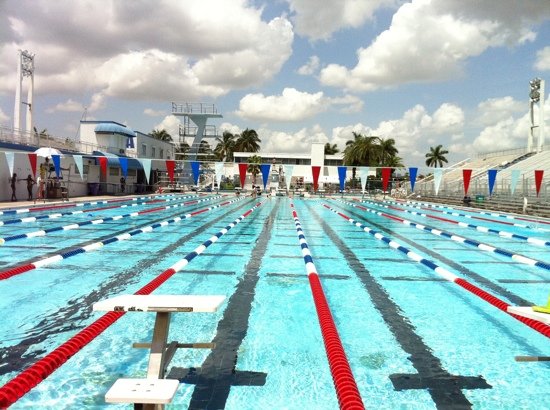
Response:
column 198, row 114
column 536, row 97
column 25, row 68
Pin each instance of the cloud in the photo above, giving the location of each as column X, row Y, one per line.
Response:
column 68, row 106
column 318, row 20
column 430, row 41
column 495, row 110
column 3, row 117
column 298, row 142
column 543, row 59
column 310, row 67
column 171, row 124
column 185, row 57
column 154, row 113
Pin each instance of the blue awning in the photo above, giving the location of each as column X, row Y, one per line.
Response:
column 112, row 160
column 114, row 128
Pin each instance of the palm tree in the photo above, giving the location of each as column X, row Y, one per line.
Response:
column 331, row 149
column 387, row 151
column 436, row 157
column 226, row 146
column 360, row 151
column 161, row 135
column 254, row 167
column 248, row 141
column 182, row 149
column 205, row 151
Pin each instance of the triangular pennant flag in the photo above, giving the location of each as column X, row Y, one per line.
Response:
column 102, row 164
column 265, row 168
column 195, row 167
column 342, row 177
column 386, row 172
column 539, row 173
column 170, row 166
column 32, row 160
column 57, row 164
column 514, row 177
column 78, row 164
column 315, row 170
column 124, row 166
column 146, row 165
column 413, row 172
column 438, row 174
column 218, row 167
column 364, row 175
column 242, row 173
column 466, row 176
column 10, row 158
column 288, row 175
column 492, row 176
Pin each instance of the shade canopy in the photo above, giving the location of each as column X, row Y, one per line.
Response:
column 114, row 128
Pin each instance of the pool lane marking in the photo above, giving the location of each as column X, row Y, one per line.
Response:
column 451, row 277
column 342, row 376
column 96, row 245
column 77, row 225
column 29, row 378
column 480, row 228
column 495, row 214
column 431, row 374
column 76, row 204
column 457, row 238
column 60, row 214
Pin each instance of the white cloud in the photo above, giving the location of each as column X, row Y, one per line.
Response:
column 68, row 106
column 430, row 41
column 3, row 117
column 283, row 142
column 543, row 59
column 233, row 129
column 154, row 113
column 320, row 19
column 310, row 67
column 171, row 124
column 495, row 110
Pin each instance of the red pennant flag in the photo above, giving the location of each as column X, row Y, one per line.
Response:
column 538, row 179
column 170, row 166
column 386, row 172
column 315, row 170
column 466, row 176
column 242, row 173
column 103, row 165
column 32, row 160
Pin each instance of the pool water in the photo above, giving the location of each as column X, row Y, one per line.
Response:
column 413, row 339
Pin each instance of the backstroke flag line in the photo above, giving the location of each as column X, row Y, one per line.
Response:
column 412, row 177
column 265, row 173
column 288, row 175
column 438, row 174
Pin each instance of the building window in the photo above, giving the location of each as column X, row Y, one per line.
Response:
column 132, row 172
column 144, row 150
column 153, row 152
column 113, row 171
column 161, row 155
column 85, row 169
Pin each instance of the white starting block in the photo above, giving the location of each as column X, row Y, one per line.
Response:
column 527, row 311
column 145, row 391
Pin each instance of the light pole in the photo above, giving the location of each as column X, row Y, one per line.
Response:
column 536, row 97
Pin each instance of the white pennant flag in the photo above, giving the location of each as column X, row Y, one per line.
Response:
column 364, row 174
column 218, row 168
column 146, row 164
column 514, row 181
column 78, row 164
column 438, row 174
column 288, row 175
column 10, row 158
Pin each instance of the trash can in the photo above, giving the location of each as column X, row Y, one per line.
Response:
column 480, row 198
column 93, row 188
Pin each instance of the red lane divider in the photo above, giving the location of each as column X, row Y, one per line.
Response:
column 474, row 217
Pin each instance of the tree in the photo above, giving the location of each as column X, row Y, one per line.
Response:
column 331, row 149
column 226, row 146
column 161, row 135
column 387, row 151
column 436, row 157
column 248, row 141
column 182, row 149
column 361, row 151
column 205, row 151
column 254, row 167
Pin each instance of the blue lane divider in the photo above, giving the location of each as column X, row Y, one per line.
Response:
column 482, row 246
column 77, row 225
column 480, row 228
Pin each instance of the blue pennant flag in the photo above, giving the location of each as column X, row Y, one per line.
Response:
column 492, row 175
column 124, row 166
column 265, row 173
column 195, row 165
column 342, row 177
column 57, row 164
column 412, row 177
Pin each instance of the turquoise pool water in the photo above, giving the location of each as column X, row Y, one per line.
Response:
column 413, row 339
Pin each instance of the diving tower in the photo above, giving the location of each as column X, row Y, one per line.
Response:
column 195, row 117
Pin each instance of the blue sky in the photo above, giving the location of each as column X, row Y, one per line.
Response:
column 450, row 72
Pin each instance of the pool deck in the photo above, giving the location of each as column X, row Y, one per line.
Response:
column 53, row 202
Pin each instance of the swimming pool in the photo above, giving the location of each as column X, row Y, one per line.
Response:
column 413, row 338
